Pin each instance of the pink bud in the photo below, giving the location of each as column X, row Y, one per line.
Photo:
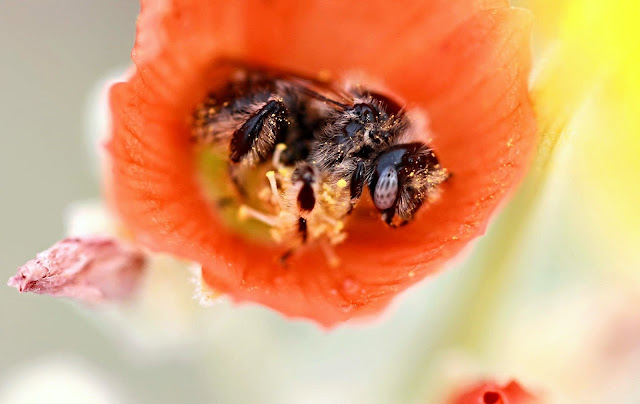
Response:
column 89, row 269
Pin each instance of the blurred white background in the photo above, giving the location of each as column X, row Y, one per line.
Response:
column 52, row 53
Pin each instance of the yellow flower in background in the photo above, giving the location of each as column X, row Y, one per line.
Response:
column 587, row 95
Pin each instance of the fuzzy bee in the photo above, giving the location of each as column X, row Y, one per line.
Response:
column 321, row 143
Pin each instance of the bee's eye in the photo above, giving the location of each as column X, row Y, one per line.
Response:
column 366, row 112
column 352, row 128
column 384, row 196
column 389, row 105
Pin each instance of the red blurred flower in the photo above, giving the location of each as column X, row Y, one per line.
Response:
column 491, row 393
column 464, row 62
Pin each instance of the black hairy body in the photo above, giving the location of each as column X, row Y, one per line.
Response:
column 322, row 143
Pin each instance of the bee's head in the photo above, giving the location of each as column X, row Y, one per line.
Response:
column 402, row 178
column 380, row 118
column 370, row 124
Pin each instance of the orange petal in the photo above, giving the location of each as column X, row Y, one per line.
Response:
column 335, row 35
column 464, row 62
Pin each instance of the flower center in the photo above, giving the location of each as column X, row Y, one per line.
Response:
column 288, row 157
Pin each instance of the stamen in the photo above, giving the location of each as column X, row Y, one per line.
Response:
column 274, row 187
column 245, row 212
column 284, row 172
column 328, row 199
column 280, row 147
column 330, row 253
column 337, row 223
column 276, row 235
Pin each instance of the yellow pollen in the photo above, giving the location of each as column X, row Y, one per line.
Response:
column 342, row 183
column 243, row 213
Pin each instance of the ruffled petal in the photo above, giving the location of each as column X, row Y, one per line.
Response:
column 469, row 75
column 334, row 35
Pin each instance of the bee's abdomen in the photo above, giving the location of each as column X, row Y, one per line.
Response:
column 225, row 110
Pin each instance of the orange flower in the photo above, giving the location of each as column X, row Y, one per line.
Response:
column 491, row 393
column 465, row 63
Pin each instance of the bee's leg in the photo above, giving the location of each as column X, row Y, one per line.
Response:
column 284, row 258
column 388, row 216
column 402, row 223
column 257, row 137
column 357, row 184
column 302, row 229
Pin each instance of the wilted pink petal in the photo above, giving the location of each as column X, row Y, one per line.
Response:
column 89, row 269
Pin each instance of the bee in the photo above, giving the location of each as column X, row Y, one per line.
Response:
column 319, row 143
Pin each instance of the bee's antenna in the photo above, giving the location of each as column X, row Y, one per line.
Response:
column 321, row 97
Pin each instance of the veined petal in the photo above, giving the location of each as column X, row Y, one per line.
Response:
column 469, row 75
